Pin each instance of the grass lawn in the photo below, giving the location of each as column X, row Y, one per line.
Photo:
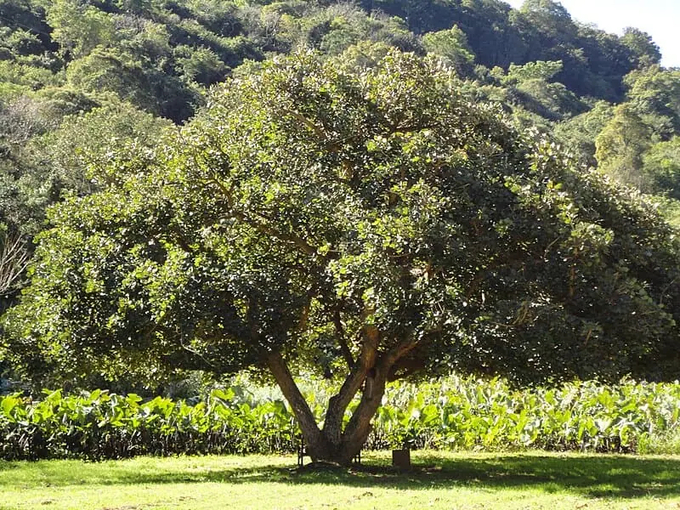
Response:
column 438, row 481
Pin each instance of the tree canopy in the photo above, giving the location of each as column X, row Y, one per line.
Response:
column 363, row 218
column 61, row 58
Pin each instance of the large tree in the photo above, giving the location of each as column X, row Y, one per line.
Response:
column 366, row 220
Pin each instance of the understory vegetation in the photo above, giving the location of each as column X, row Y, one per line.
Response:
column 454, row 413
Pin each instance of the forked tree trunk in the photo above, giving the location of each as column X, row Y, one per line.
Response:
column 333, row 443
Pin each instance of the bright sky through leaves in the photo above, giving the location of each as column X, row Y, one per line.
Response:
column 659, row 18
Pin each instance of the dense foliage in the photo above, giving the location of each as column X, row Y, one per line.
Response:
column 60, row 59
column 349, row 210
column 99, row 425
column 474, row 414
column 159, row 53
column 455, row 413
column 366, row 218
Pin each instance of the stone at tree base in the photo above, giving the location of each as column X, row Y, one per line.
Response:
column 401, row 459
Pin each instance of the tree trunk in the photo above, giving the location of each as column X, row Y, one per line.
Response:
column 333, row 444
column 338, row 403
column 341, row 448
column 308, row 426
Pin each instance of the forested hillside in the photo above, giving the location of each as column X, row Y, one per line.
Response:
column 84, row 81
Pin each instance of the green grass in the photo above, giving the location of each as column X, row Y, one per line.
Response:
column 438, row 481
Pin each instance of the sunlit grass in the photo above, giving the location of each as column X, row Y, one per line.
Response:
column 438, row 480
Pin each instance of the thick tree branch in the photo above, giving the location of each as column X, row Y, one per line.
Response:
column 318, row 131
column 359, row 426
column 339, row 402
column 303, row 413
column 281, row 236
column 342, row 339
column 260, row 226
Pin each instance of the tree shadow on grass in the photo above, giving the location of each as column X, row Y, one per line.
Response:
column 590, row 476
column 596, row 476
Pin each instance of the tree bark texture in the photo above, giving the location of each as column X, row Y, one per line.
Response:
column 371, row 372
